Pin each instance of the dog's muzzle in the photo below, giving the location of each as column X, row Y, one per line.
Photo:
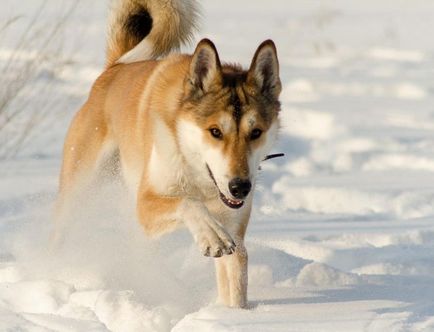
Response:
column 238, row 188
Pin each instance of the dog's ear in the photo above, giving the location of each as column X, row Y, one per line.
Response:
column 205, row 68
column 264, row 70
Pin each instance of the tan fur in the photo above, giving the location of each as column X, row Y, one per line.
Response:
column 139, row 109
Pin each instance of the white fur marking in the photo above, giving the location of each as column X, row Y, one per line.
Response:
column 190, row 138
column 226, row 123
column 166, row 173
column 199, row 154
column 141, row 52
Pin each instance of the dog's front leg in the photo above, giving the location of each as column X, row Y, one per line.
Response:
column 160, row 214
column 232, row 278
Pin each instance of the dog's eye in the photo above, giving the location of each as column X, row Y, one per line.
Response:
column 255, row 134
column 216, row 133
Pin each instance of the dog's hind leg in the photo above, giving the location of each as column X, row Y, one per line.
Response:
column 86, row 146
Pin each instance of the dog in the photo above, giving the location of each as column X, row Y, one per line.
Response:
column 189, row 132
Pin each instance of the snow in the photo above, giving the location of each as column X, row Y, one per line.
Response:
column 342, row 232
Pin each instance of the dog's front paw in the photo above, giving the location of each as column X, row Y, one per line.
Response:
column 213, row 244
column 212, row 238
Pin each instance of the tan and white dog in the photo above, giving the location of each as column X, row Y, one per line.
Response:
column 189, row 131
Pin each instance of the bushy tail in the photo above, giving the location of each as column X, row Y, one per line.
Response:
column 147, row 29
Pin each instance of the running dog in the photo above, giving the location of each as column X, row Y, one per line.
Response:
column 189, row 131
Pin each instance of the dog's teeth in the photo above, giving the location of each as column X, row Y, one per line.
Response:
column 231, row 202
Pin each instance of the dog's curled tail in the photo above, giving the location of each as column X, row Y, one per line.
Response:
column 147, row 29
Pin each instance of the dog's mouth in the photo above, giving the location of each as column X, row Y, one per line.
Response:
column 232, row 203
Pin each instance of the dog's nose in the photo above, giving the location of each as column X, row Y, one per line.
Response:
column 240, row 188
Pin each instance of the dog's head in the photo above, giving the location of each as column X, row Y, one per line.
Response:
column 229, row 118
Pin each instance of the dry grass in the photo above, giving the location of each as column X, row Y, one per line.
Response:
column 25, row 99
